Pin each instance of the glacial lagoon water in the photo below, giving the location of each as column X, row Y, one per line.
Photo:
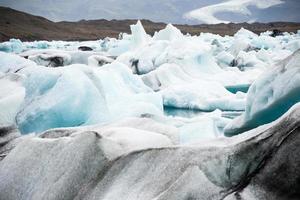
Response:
column 190, row 113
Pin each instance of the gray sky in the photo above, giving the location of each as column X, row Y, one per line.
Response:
column 169, row 11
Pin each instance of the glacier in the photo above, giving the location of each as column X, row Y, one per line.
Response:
column 168, row 116
column 99, row 163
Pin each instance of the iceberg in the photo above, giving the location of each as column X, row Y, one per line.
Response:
column 78, row 95
column 53, row 60
column 139, row 35
column 244, row 33
column 239, row 45
column 264, row 42
column 270, row 96
column 59, row 98
column 117, row 48
column 181, row 89
column 208, row 126
column 98, row 60
column 225, row 59
column 169, row 33
column 13, row 45
column 59, row 58
column 13, row 63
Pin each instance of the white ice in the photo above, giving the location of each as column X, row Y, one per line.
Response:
column 137, row 75
column 270, row 96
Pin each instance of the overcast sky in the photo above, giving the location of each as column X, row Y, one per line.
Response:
column 169, row 11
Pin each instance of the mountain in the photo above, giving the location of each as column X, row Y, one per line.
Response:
column 27, row 27
column 168, row 11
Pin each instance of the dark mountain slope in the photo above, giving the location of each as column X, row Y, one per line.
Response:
column 16, row 24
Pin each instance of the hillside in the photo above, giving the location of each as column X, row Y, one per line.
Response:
column 16, row 24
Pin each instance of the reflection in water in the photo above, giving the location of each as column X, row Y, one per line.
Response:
column 196, row 125
column 181, row 112
column 189, row 113
column 231, row 114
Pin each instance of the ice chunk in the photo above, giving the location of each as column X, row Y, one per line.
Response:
column 239, row 45
column 245, row 60
column 205, row 96
column 37, row 45
column 169, row 33
column 60, row 99
column 264, row 42
column 293, row 45
column 225, row 58
column 201, row 128
column 142, row 61
column 182, row 89
column 244, row 33
column 79, row 95
column 139, row 35
column 119, row 47
column 13, row 45
column 270, row 96
column 13, row 63
column 53, row 60
column 12, row 94
column 191, row 54
column 56, row 58
column 98, row 61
